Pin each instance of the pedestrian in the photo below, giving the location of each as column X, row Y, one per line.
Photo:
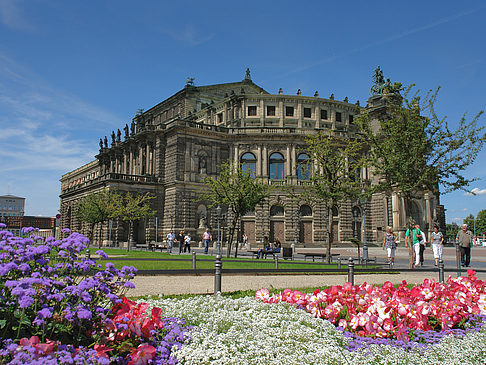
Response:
column 245, row 240
column 180, row 239
column 170, row 240
column 390, row 244
column 414, row 236
column 206, row 239
column 187, row 243
column 437, row 244
column 464, row 239
column 423, row 244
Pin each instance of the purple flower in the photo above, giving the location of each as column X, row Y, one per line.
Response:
column 128, row 284
column 25, row 301
column 3, row 225
column 83, row 313
column 66, row 230
column 102, row 254
column 45, row 313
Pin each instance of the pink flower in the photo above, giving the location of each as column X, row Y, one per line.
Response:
column 263, row 294
column 142, row 354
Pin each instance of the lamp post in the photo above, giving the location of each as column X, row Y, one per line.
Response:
column 218, row 218
column 362, row 202
column 296, row 215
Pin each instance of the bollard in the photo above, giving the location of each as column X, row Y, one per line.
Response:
column 458, row 259
column 351, row 271
column 339, row 263
column 193, row 260
column 218, row 264
column 441, row 271
column 88, row 254
column 276, row 262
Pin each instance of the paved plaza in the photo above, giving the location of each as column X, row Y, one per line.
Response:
column 203, row 284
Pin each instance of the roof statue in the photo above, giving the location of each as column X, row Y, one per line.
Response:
column 190, row 81
column 247, row 74
column 384, row 87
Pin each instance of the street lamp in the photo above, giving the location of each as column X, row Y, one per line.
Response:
column 218, row 218
column 362, row 202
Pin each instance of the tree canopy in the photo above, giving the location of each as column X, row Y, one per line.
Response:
column 97, row 208
column 413, row 150
column 237, row 190
column 336, row 175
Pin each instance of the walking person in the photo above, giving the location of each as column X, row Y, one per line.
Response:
column 437, row 244
column 414, row 236
column 464, row 239
column 390, row 244
column 423, row 244
column 180, row 239
column 187, row 243
column 170, row 240
column 207, row 238
column 245, row 241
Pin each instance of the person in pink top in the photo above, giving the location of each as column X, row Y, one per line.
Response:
column 206, row 239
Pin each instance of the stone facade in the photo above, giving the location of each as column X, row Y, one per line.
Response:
column 169, row 149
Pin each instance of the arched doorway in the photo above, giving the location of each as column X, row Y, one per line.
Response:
column 305, row 232
column 277, row 225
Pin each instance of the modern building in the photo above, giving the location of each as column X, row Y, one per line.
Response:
column 11, row 206
column 169, row 149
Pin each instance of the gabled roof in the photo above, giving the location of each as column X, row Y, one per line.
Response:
column 11, row 196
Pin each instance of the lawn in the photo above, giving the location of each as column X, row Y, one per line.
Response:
column 147, row 260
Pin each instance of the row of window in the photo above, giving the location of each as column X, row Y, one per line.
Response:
column 11, row 207
column 276, row 165
column 290, row 111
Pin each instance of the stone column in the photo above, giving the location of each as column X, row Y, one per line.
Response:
column 237, row 156
column 288, row 171
column 147, row 159
column 125, row 163
column 299, row 114
column 262, row 112
column 317, row 115
column 294, row 161
column 130, row 171
column 259, row 162
column 282, row 113
column 265, row 162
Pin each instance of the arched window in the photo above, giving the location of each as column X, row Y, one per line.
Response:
column 276, row 210
column 356, row 212
column 305, row 211
column 248, row 163
column 276, row 166
column 335, row 211
column 303, row 166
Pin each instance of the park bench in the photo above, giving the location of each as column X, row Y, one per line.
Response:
column 158, row 246
column 254, row 253
column 317, row 254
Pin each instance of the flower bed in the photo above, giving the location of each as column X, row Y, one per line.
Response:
column 58, row 308
column 389, row 312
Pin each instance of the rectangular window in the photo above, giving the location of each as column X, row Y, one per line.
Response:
column 323, row 114
column 339, row 117
column 271, row 110
column 220, row 118
column 289, row 111
column 307, row 113
column 252, row 111
column 351, row 119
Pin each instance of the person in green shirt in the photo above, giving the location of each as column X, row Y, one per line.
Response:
column 414, row 237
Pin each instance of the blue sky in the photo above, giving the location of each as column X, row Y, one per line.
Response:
column 72, row 71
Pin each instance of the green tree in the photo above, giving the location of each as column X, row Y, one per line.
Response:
column 335, row 178
column 478, row 223
column 412, row 150
column 237, row 190
column 131, row 208
column 451, row 232
column 97, row 208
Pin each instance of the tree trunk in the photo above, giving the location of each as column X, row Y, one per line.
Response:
column 330, row 232
column 232, row 233
column 100, row 233
column 237, row 239
column 91, row 234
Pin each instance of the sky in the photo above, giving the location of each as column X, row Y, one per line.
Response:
column 73, row 71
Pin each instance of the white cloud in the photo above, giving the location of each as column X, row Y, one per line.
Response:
column 476, row 191
column 189, row 36
column 12, row 17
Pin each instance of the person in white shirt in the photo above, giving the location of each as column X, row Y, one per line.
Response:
column 437, row 244
column 170, row 240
